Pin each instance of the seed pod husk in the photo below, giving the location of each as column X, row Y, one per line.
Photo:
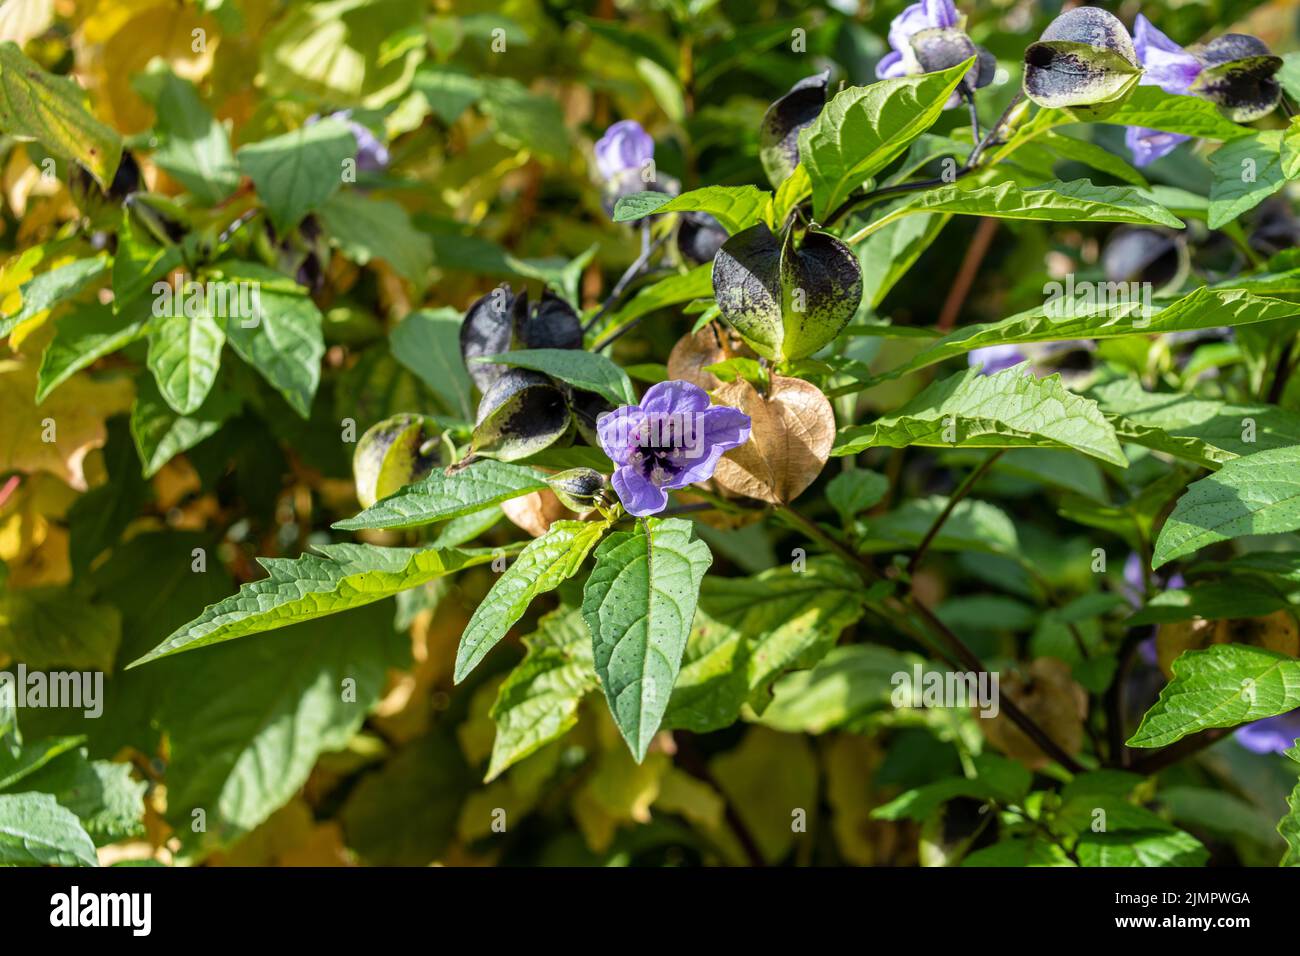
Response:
column 1085, row 57
column 699, row 237
column 786, row 299
column 778, row 138
column 521, row 413
column 1239, row 76
column 579, row 489
column 393, row 453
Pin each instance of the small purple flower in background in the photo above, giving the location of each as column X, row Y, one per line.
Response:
column 624, row 147
column 674, row 438
column 1272, row 735
column 1134, row 585
column 1173, row 69
column 996, row 358
column 372, row 155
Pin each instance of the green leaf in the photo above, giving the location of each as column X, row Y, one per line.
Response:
column 1007, row 410
column 82, row 337
column 735, row 207
column 241, row 756
column 639, row 603
column 671, row 290
column 525, row 120
column 47, row 627
column 864, row 128
column 1289, row 827
column 1141, row 848
column 1291, row 150
column 366, row 228
column 1221, row 686
column 1246, row 172
column 847, row 683
column 160, row 434
column 1152, row 107
column 1242, row 429
column 311, row 586
column 971, row 526
column 441, row 496
column 887, row 255
column 194, row 148
column 538, row 701
column 48, row 289
column 852, row 492
column 1211, row 600
column 104, row 796
column 996, row 778
column 296, row 172
column 32, row 757
column 50, row 109
column 1062, row 319
column 184, row 357
column 139, row 263
column 36, row 831
column 1157, row 439
column 283, row 340
column 543, row 565
column 1056, row 201
column 1256, row 494
column 586, row 371
column 1058, row 146
column 428, row 343
column 1018, row 852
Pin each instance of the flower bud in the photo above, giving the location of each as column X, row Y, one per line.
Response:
column 1085, row 57
column 579, row 489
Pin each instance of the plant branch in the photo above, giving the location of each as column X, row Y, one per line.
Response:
column 638, row 265
column 1166, row 756
column 953, row 500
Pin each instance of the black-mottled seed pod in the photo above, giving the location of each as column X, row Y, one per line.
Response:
column 1085, row 57
column 520, row 414
column 1239, row 76
column 786, row 299
column 393, row 453
column 778, row 138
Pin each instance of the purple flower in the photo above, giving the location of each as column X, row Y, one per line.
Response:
column 672, row 439
column 372, row 155
column 903, row 59
column 996, row 358
column 624, row 147
column 1170, row 67
column 1272, row 735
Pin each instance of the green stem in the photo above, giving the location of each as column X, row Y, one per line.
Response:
column 953, row 500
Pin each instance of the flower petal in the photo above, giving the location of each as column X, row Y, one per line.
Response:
column 722, row 428
column 617, row 432
column 624, row 146
column 640, row 496
column 674, row 397
column 1148, row 145
column 1167, row 65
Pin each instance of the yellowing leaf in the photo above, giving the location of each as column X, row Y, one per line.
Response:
column 56, row 435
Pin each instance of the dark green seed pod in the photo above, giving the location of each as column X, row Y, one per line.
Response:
column 699, row 237
column 1138, row 254
column 1085, row 57
column 551, row 324
column 587, row 407
column 393, row 453
column 521, row 413
column 1239, row 76
column 786, row 300
column 579, row 489
column 778, row 138
column 942, row 48
column 487, row 329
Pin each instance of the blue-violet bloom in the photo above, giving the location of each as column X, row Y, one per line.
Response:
column 624, row 147
column 674, row 438
column 1173, row 69
column 1272, row 734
